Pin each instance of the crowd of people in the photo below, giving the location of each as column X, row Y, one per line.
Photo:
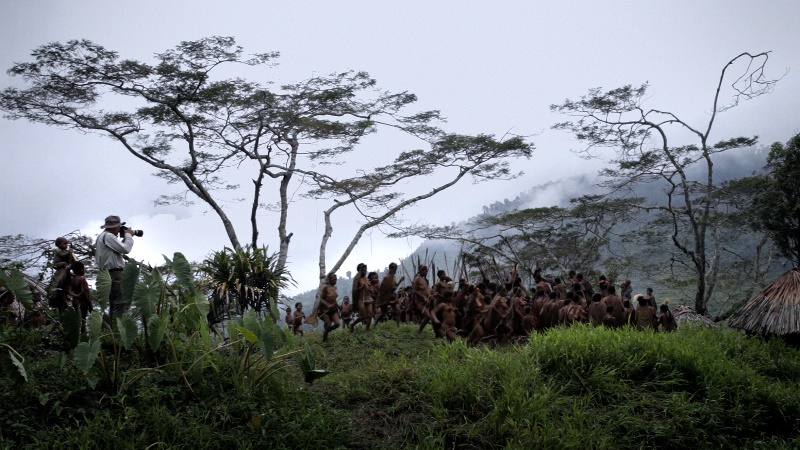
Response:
column 503, row 311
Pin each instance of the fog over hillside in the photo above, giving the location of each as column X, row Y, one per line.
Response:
column 443, row 254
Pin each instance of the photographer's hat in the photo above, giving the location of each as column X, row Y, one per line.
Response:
column 111, row 222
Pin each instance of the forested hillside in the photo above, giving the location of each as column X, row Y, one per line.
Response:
column 621, row 257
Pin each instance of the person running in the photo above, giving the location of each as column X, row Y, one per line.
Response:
column 328, row 306
column 387, row 297
column 362, row 297
column 421, row 296
column 444, row 315
column 346, row 311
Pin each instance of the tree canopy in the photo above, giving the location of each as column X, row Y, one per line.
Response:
column 195, row 127
column 643, row 141
column 778, row 203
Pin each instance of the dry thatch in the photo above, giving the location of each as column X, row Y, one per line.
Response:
column 684, row 314
column 775, row 310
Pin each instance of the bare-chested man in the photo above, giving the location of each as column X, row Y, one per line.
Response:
column 586, row 285
column 563, row 313
column 560, row 288
column 613, row 300
column 386, row 295
column 362, row 297
column 548, row 317
column 666, row 320
column 474, row 317
column 597, row 309
column 626, row 290
column 571, row 280
column 460, row 302
column 373, row 287
column 541, row 283
column 630, row 313
column 513, row 279
column 602, row 285
column 408, row 308
column 361, row 272
column 537, row 303
column 442, row 285
column 444, row 315
column 574, row 312
column 609, row 321
column 530, row 321
column 651, row 299
column 646, row 316
column 421, row 296
column 495, row 320
column 519, row 304
column 328, row 307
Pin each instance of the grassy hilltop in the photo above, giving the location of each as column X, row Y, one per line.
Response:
column 580, row 387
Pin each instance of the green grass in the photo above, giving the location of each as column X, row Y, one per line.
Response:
column 581, row 387
column 569, row 388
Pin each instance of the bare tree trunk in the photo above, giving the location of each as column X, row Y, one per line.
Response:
column 283, row 236
column 258, row 182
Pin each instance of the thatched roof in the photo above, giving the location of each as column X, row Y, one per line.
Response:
column 775, row 310
column 684, row 314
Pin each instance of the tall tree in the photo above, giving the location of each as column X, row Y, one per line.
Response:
column 644, row 153
column 195, row 128
column 376, row 198
column 778, row 204
column 746, row 252
column 549, row 238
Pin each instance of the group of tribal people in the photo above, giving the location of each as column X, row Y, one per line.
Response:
column 68, row 287
column 504, row 311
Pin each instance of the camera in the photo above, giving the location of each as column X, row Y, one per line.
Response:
column 123, row 229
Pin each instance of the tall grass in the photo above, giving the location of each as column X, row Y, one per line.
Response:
column 581, row 387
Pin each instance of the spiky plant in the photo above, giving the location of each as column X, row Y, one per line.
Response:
column 243, row 279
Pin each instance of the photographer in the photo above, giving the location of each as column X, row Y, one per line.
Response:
column 109, row 251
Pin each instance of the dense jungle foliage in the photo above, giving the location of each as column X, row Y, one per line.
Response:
column 577, row 387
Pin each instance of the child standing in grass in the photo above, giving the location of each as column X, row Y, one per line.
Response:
column 347, row 311
column 297, row 319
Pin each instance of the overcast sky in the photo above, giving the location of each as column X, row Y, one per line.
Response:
column 490, row 67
